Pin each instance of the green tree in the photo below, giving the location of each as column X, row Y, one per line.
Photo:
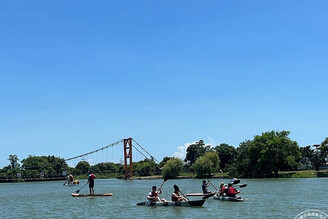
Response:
column 82, row 167
column 227, row 154
column 271, row 152
column 34, row 165
column 241, row 167
column 196, row 150
column 163, row 162
column 172, row 168
column 13, row 161
column 207, row 164
column 144, row 167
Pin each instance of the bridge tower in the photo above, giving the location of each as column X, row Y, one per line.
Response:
column 128, row 157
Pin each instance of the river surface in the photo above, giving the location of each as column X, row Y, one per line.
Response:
column 263, row 198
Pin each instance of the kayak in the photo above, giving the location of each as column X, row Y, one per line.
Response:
column 87, row 195
column 195, row 203
column 227, row 198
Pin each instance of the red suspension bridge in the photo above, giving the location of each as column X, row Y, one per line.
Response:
column 128, row 145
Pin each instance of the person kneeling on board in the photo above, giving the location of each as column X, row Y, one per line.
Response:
column 232, row 191
column 223, row 189
column 176, row 195
column 153, row 195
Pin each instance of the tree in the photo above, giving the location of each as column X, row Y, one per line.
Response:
column 241, row 167
column 144, row 167
column 207, row 164
column 227, row 154
column 13, row 161
column 34, row 165
column 163, row 162
column 172, row 168
column 82, row 167
column 196, row 150
column 271, row 152
column 307, row 158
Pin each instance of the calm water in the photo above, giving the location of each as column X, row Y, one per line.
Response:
column 264, row 198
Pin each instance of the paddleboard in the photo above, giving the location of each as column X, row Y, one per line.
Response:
column 95, row 195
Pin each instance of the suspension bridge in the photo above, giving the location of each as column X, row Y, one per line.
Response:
column 110, row 153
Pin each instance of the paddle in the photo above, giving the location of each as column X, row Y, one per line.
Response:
column 77, row 191
column 212, row 185
column 182, row 193
column 160, row 187
column 65, row 183
column 242, row 185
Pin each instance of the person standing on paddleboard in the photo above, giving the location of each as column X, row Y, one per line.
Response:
column 91, row 181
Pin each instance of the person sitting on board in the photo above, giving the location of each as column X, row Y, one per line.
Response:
column 204, row 187
column 176, row 195
column 153, row 195
column 91, row 181
column 231, row 191
column 223, row 189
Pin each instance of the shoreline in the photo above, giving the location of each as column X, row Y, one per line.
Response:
column 282, row 175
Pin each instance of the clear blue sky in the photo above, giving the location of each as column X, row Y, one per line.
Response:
column 79, row 75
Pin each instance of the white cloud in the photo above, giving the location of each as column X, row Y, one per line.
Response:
column 182, row 151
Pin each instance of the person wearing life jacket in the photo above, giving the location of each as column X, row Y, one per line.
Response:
column 231, row 191
column 153, row 194
column 204, row 187
column 176, row 195
column 223, row 189
column 91, row 181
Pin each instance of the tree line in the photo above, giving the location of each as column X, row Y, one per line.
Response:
column 264, row 156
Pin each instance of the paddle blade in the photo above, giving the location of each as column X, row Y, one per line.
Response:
column 236, row 181
column 141, row 203
column 242, row 186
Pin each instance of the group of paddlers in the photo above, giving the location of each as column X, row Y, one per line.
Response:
column 177, row 195
column 154, row 195
column 225, row 189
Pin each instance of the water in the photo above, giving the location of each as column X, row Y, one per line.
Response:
column 263, row 198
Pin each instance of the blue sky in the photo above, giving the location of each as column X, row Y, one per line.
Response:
column 79, row 75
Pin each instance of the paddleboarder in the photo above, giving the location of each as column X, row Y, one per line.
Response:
column 91, row 181
column 70, row 179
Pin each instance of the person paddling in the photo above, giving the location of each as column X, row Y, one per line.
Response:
column 176, row 195
column 153, row 195
column 223, row 189
column 91, row 181
column 232, row 191
column 70, row 179
column 204, row 187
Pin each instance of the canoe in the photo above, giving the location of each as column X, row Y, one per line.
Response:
column 227, row 198
column 196, row 203
column 95, row 195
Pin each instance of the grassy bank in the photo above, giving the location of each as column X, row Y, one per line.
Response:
column 303, row 174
